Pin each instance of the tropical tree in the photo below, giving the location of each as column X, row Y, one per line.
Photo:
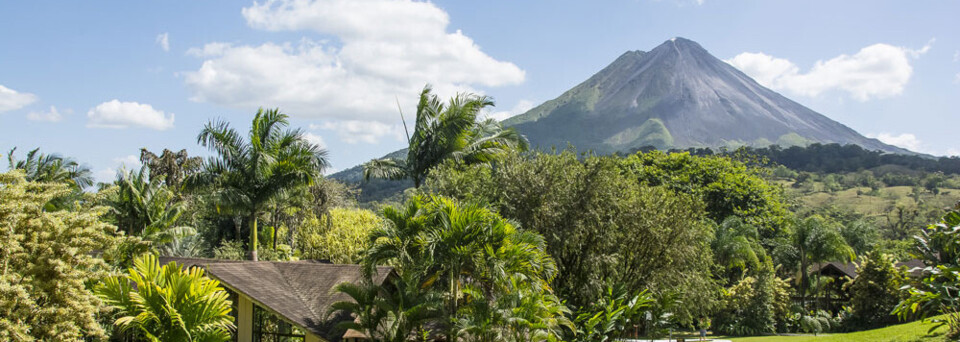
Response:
column 470, row 257
column 172, row 167
column 51, row 168
column 395, row 313
column 447, row 131
column 144, row 206
column 169, row 302
column 247, row 174
column 736, row 247
column 47, row 259
column 816, row 241
column 600, row 225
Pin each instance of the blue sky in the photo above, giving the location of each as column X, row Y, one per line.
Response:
column 98, row 80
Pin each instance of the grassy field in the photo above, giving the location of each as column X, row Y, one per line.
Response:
column 872, row 205
column 914, row 331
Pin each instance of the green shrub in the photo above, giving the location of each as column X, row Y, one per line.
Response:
column 340, row 237
column 752, row 306
column 875, row 292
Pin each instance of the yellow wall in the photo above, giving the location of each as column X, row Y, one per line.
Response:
column 314, row 338
column 244, row 319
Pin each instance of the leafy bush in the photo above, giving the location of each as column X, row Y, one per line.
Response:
column 939, row 248
column 875, row 292
column 752, row 306
column 340, row 237
column 613, row 314
column 819, row 322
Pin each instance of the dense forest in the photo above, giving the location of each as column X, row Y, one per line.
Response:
column 836, row 158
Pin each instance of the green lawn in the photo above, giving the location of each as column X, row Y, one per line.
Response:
column 914, row 331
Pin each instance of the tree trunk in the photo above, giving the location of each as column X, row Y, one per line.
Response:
column 803, row 286
column 253, row 239
column 276, row 212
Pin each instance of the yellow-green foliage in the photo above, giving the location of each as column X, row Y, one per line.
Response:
column 339, row 237
column 46, row 261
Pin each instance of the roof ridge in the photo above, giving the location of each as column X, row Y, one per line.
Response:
column 296, row 290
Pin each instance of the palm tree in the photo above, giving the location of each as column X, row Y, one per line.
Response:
column 145, row 206
column 51, row 168
column 169, row 303
column 817, row 242
column 447, row 131
column 735, row 245
column 394, row 313
column 174, row 167
column 463, row 251
column 248, row 174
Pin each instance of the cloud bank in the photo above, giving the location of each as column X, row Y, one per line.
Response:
column 383, row 49
column 876, row 71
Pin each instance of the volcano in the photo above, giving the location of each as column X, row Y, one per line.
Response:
column 678, row 95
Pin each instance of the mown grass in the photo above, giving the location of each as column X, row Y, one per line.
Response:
column 908, row 332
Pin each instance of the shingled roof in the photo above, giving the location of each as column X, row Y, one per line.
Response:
column 298, row 291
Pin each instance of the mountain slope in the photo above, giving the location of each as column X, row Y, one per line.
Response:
column 678, row 96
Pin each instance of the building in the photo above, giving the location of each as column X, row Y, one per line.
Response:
column 284, row 301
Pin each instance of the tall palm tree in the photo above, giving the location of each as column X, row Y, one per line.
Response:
column 51, row 168
column 817, row 242
column 247, row 174
column 447, row 131
column 169, row 303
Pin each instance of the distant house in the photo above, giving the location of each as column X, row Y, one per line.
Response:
column 849, row 269
column 284, row 301
column 834, row 297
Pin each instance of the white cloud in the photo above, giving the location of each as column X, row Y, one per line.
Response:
column 116, row 114
column 956, row 56
column 315, row 139
column 209, row 50
column 354, row 131
column 12, row 100
column 53, row 115
column 128, row 162
column 956, row 79
column 521, row 107
column 383, row 49
column 876, row 71
column 109, row 174
column 911, row 142
column 905, row 140
column 163, row 40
